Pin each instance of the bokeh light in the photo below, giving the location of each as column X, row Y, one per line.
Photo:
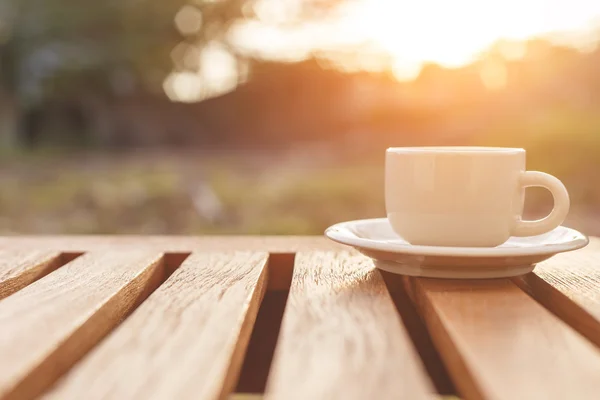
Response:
column 188, row 20
column 401, row 36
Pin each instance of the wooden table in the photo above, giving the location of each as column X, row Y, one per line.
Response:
column 284, row 318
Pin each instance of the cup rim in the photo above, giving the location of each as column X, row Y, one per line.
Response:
column 456, row 150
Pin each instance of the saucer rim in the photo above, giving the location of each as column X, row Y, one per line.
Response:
column 339, row 233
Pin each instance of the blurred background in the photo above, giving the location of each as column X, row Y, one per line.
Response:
column 272, row 116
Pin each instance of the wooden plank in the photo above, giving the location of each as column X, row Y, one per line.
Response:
column 53, row 322
column 258, row 396
column 185, row 342
column 569, row 285
column 435, row 367
column 18, row 268
column 186, row 244
column 341, row 337
column 499, row 343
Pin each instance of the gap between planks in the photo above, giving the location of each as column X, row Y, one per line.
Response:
column 50, row 324
column 186, row 341
column 556, row 282
column 420, row 335
column 569, row 286
column 341, row 336
column 261, row 347
column 499, row 343
column 19, row 268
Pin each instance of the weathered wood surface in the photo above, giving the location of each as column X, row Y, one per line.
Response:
column 271, row 244
column 19, row 268
column 53, row 322
column 499, row 343
column 185, row 342
column 569, row 285
column 341, row 337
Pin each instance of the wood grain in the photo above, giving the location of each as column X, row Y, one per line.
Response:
column 341, row 337
column 18, row 268
column 185, row 342
column 53, row 322
column 419, row 334
column 258, row 396
column 499, row 343
column 569, row 285
column 170, row 244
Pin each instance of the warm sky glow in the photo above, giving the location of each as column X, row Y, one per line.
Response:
column 410, row 33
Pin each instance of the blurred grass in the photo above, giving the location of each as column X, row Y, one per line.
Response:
column 563, row 142
column 128, row 196
column 187, row 193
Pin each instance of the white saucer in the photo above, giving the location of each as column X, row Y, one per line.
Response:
column 517, row 256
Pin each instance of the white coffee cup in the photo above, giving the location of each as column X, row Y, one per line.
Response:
column 465, row 196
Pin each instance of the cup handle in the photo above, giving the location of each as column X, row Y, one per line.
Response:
column 558, row 213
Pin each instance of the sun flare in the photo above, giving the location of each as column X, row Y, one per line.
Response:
column 408, row 34
column 454, row 33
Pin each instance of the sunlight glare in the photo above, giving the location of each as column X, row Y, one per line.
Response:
column 494, row 75
column 255, row 38
column 403, row 36
column 449, row 33
column 512, row 50
column 406, row 71
column 275, row 12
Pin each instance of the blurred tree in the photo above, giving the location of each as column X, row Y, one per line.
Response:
column 88, row 52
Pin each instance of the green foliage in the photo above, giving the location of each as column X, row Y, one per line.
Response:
column 52, row 46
